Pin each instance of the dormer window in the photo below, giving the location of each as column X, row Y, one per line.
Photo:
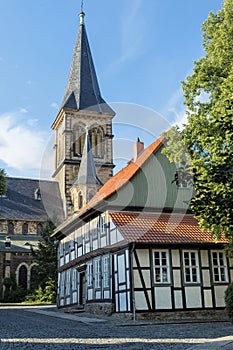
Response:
column 7, row 242
column 37, row 194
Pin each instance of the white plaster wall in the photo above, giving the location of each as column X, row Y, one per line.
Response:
column 206, row 278
column 208, row 298
column 140, row 300
column 219, row 295
column 204, row 258
column 178, row 299
column 163, row 298
column 143, row 256
column 123, row 306
column 137, row 280
column 193, row 297
column 231, row 275
column 177, row 278
column 175, row 257
column 106, row 294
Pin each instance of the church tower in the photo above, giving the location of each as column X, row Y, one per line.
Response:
column 82, row 108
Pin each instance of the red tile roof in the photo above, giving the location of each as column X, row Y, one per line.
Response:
column 160, row 228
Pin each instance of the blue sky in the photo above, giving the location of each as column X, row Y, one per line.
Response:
column 142, row 50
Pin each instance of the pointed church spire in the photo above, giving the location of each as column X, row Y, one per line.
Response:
column 82, row 90
column 87, row 171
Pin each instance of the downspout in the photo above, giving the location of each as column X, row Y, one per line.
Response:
column 132, row 284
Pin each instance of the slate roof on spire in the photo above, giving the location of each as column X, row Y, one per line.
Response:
column 82, row 90
column 87, row 171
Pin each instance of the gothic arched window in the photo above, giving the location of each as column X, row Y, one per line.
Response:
column 23, row 277
column 10, row 228
column 96, row 137
column 25, row 228
column 80, row 200
column 78, row 140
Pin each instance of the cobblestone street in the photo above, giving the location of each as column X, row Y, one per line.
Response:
column 24, row 328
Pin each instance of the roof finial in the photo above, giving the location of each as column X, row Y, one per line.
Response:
column 82, row 14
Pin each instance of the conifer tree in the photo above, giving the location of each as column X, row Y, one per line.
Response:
column 46, row 258
column 3, row 182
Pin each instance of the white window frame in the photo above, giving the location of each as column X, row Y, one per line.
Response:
column 161, row 267
column 90, row 274
column 98, row 275
column 74, row 279
column 192, row 269
column 219, row 269
column 106, row 271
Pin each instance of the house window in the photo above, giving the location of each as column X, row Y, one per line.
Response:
column 98, row 273
column 101, row 226
column 78, row 140
column 106, row 272
column 25, row 228
column 10, row 228
column 96, row 137
column 161, row 267
column 191, row 267
column 39, row 229
column 89, row 274
column 219, row 267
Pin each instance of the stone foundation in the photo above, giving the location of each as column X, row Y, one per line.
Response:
column 185, row 316
column 99, row 308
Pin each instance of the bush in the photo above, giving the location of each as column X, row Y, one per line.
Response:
column 43, row 295
column 229, row 301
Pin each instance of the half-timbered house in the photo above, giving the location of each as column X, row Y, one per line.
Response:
column 135, row 246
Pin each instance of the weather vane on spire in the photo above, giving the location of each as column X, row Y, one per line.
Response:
column 81, row 5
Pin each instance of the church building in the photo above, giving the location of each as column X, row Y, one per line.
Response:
column 129, row 243
column 84, row 119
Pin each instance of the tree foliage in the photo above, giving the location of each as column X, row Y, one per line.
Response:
column 46, row 258
column 208, row 135
column 3, row 182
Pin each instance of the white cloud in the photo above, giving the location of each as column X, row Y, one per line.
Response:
column 23, row 110
column 21, row 146
column 54, row 105
column 132, row 34
column 32, row 122
column 175, row 109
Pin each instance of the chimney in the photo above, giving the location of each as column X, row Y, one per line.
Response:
column 138, row 149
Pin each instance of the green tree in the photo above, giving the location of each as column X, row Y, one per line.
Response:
column 3, row 182
column 45, row 279
column 208, row 135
